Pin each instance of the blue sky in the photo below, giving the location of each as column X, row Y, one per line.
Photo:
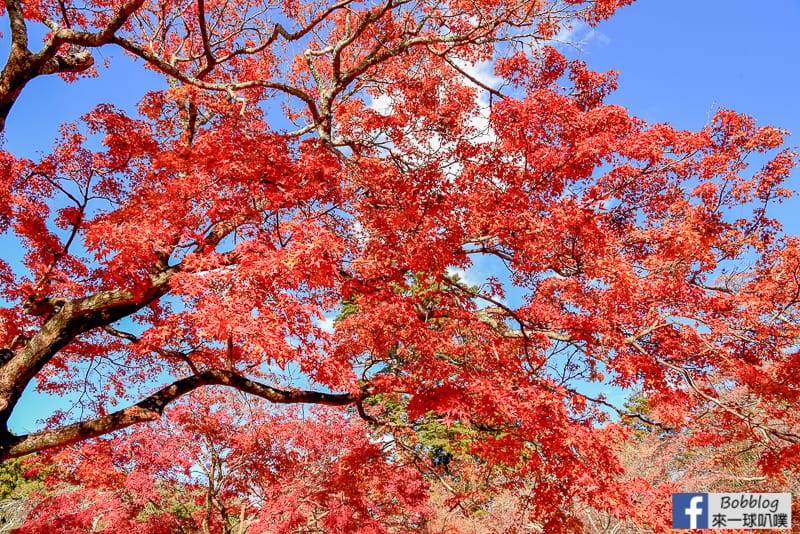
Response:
column 678, row 61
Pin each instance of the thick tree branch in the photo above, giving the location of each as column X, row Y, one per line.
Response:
column 12, row 78
column 98, row 38
column 22, row 65
column 68, row 319
column 19, row 32
column 153, row 406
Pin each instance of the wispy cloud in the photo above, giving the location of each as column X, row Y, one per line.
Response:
column 577, row 35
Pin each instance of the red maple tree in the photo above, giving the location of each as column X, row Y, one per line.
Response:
column 218, row 463
column 313, row 160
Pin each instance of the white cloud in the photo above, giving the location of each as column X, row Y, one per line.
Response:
column 382, row 104
column 469, row 276
column 326, row 324
column 482, row 71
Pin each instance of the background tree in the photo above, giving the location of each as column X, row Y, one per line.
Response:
column 304, row 157
column 20, row 480
column 660, row 461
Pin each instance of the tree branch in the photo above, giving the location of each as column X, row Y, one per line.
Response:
column 22, row 65
column 66, row 320
column 153, row 406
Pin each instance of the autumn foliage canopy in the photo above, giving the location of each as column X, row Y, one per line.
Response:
column 300, row 200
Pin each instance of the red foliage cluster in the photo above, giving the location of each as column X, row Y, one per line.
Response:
column 217, row 463
column 320, row 160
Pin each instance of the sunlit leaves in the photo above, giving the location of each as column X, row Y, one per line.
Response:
column 306, row 162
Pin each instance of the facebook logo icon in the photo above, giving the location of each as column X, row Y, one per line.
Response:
column 690, row 510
